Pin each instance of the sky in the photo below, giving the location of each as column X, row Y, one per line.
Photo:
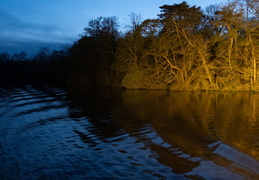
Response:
column 27, row 25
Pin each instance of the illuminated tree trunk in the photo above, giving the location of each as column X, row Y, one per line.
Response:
column 201, row 49
column 254, row 79
column 205, row 65
column 230, row 48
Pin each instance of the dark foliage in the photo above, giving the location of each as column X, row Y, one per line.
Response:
column 40, row 69
column 183, row 49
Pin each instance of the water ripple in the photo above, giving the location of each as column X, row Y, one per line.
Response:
column 51, row 133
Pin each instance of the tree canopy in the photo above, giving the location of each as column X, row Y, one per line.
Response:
column 184, row 48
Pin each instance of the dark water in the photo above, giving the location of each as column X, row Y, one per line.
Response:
column 52, row 133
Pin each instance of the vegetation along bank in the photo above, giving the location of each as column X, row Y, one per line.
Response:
column 183, row 49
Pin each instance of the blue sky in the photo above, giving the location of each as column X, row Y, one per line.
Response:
column 26, row 25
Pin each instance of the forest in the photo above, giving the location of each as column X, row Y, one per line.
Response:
column 183, row 49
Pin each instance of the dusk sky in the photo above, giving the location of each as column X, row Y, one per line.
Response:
column 26, row 25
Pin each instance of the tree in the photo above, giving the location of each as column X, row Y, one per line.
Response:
column 4, row 57
column 42, row 55
column 135, row 22
column 233, row 45
column 94, row 52
column 186, row 17
column 151, row 28
column 22, row 56
column 183, row 49
column 102, row 26
column 252, row 7
column 129, row 55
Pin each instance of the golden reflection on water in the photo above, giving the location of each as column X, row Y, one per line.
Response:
column 205, row 132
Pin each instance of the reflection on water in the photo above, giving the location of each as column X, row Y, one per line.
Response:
column 52, row 133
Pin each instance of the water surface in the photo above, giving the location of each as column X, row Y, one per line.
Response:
column 54, row 133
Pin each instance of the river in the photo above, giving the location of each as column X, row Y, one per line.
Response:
column 49, row 132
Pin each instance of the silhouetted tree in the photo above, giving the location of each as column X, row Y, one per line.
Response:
column 183, row 49
column 94, row 52
column 22, row 56
column 4, row 57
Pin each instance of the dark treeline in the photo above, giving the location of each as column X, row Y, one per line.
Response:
column 44, row 68
column 185, row 48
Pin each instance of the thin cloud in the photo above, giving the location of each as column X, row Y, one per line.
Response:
column 17, row 35
column 14, row 29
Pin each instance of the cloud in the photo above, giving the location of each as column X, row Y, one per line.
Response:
column 16, row 33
